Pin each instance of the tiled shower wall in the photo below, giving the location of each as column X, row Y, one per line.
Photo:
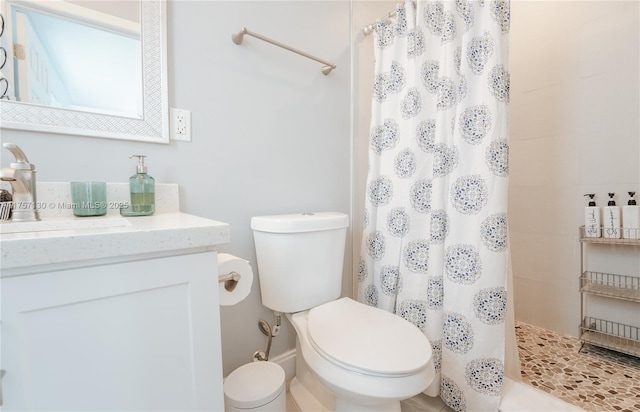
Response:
column 574, row 129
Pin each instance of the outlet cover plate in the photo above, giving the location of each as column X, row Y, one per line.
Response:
column 180, row 124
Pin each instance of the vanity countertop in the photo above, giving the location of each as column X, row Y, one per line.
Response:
column 133, row 236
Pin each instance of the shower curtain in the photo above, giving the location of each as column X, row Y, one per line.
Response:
column 434, row 247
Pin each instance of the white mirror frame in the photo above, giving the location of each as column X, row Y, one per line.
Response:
column 154, row 125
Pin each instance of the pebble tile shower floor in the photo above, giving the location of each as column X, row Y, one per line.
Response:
column 594, row 379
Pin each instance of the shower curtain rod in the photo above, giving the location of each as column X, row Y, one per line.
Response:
column 237, row 39
column 368, row 29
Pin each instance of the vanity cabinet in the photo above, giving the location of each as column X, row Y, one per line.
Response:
column 134, row 335
column 610, row 285
column 112, row 315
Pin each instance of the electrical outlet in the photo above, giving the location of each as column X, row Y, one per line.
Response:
column 180, row 124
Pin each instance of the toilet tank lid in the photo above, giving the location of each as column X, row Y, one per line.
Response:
column 301, row 222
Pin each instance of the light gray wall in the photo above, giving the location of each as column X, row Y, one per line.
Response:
column 271, row 134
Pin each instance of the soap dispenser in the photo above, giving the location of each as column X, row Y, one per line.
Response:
column 592, row 218
column 631, row 219
column 142, row 188
column 611, row 219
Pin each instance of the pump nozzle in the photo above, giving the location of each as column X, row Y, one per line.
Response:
column 632, row 201
column 591, row 196
column 140, row 168
column 611, row 201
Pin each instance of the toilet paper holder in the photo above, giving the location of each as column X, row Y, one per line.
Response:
column 230, row 280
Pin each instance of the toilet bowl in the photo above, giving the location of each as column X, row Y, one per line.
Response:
column 367, row 358
column 351, row 357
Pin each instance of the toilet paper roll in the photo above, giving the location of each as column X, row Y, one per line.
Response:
column 234, row 292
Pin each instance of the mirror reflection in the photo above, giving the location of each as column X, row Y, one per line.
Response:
column 80, row 55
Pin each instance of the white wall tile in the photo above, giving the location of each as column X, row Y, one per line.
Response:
column 574, row 130
column 543, row 112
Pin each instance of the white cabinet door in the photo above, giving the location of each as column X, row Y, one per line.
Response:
column 142, row 335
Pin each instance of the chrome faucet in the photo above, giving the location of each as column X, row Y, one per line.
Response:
column 21, row 175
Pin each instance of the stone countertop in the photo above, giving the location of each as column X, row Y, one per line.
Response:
column 145, row 235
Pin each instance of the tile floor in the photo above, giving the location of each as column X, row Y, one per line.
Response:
column 595, row 379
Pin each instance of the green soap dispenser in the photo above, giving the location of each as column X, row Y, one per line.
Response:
column 143, row 191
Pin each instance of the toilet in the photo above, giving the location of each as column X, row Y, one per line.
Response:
column 255, row 387
column 350, row 356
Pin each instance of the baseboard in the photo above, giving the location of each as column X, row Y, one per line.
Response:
column 288, row 362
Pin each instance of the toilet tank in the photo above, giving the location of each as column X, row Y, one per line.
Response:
column 300, row 258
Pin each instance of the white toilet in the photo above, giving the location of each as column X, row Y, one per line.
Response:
column 351, row 357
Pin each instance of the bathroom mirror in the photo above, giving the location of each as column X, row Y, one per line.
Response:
column 126, row 42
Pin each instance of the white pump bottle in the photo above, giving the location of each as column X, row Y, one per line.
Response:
column 592, row 218
column 611, row 219
column 631, row 219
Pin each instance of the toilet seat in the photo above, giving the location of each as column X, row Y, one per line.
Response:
column 367, row 340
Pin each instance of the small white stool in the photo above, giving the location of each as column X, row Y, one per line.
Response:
column 255, row 387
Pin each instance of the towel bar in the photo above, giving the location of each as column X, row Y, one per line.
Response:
column 238, row 37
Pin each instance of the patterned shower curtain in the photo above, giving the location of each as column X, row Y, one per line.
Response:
column 435, row 233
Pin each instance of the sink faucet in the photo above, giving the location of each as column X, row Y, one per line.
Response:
column 21, row 175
